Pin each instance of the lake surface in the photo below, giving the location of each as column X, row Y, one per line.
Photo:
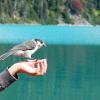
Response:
column 50, row 34
column 73, row 67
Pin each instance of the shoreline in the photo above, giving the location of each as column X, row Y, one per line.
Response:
column 24, row 21
column 48, row 24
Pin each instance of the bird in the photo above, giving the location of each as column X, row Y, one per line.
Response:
column 25, row 49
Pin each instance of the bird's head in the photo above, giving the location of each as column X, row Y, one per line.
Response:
column 39, row 43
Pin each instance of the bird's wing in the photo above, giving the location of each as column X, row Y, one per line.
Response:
column 6, row 55
column 24, row 46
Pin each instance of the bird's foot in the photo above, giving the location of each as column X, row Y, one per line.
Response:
column 30, row 59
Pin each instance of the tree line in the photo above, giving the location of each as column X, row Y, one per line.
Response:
column 49, row 11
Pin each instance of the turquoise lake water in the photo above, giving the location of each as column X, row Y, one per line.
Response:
column 73, row 55
column 51, row 34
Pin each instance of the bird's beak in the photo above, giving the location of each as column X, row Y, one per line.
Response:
column 44, row 44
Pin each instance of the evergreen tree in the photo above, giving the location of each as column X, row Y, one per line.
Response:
column 49, row 11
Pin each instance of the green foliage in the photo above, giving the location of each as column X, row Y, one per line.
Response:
column 16, row 21
column 48, row 11
column 52, row 18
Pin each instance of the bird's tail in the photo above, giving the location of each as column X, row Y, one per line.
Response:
column 5, row 55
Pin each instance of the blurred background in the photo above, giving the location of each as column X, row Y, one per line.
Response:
column 73, row 55
column 85, row 12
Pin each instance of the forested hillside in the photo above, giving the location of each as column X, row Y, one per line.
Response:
column 50, row 11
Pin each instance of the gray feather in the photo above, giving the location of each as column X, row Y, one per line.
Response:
column 28, row 45
column 7, row 54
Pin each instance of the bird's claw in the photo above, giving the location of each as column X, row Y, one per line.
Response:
column 32, row 59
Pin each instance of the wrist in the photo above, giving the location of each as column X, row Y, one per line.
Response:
column 14, row 70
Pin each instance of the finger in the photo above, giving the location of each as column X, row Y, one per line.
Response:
column 36, row 61
column 33, row 63
column 45, row 65
column 31, row 60
column 42, row 68
column 35, row 70
column 38, row 67
column 39, row 74
column 40, row 60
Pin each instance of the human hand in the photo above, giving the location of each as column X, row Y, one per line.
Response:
column 31, row 67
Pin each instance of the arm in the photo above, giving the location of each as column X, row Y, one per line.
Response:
column 31, row 67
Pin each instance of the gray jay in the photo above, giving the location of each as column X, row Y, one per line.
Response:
column 25, row 49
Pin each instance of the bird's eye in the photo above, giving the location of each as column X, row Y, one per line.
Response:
column 41, row 42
